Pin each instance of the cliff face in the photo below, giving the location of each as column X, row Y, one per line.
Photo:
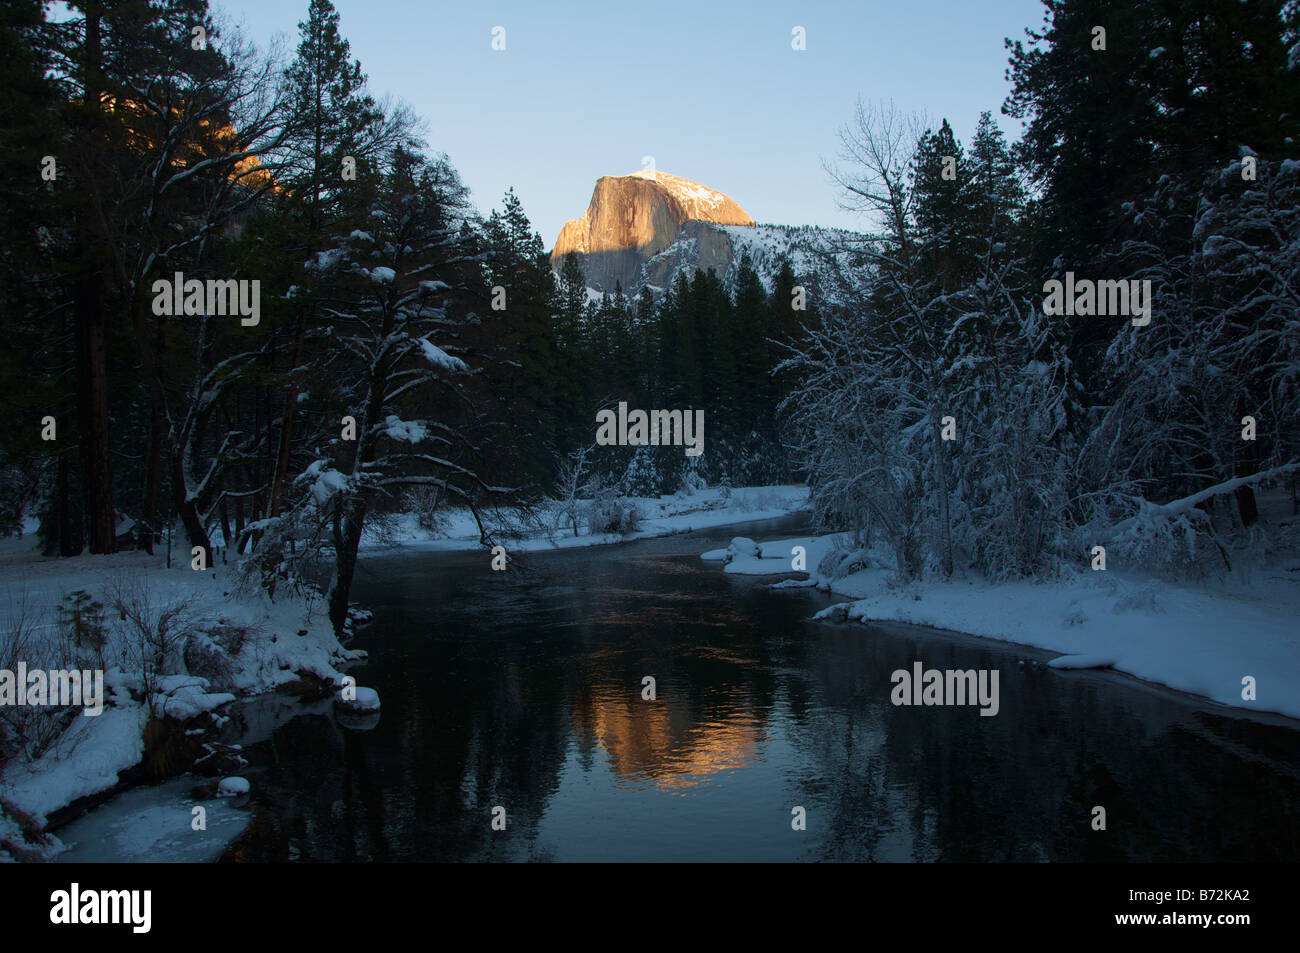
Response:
column 698, row 245
column 632, row 218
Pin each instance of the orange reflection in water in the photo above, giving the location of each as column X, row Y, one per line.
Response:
column 664, row 743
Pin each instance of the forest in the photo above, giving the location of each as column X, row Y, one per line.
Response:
column 410, row 352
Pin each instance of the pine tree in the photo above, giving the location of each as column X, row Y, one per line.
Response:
column 996, row 197
column 156, row 168
column 333, row 117
column 573, row 299
column 754, row 325
column 1212, row 75
column 396, row 327
column 521, row 342
column 939, row 177
column 621, row 365
column 575, row 392
column 645, row 343
column 333, row 120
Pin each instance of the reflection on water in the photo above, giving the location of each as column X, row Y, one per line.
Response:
column 655, row 743
column 524, row 689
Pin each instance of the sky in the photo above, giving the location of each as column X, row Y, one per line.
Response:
column 713, row 91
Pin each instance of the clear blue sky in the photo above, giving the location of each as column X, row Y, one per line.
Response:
column 711, row 89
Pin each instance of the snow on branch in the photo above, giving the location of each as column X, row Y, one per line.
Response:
column 440, row 358
column 1189, row 503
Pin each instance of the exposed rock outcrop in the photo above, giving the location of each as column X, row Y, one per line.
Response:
column 632, row 218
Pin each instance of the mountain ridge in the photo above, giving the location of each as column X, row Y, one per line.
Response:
column 643, row 229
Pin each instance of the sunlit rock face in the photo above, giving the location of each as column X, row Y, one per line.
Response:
column 632, row 218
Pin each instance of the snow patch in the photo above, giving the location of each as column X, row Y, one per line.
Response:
column 365, row 700
column 440, row 358
column 233, row 787
column 407, row 431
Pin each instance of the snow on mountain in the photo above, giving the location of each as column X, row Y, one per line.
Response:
column 699, row 201
column 818, row 256
column 643, row 229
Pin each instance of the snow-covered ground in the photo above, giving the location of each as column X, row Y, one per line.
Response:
column 243, row 642
column 662, row 516
column 152, row 825
column 1203, row 639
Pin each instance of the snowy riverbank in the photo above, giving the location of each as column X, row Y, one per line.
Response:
column 1202, row 639
column 214, row 640
column 657, row 516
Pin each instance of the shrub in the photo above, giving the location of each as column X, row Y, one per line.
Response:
column 613, row 515
column 81, row 622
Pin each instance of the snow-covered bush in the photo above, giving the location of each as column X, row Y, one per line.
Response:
column 612, row 515
column 574, row 477
column 424, row 503
column 153, row 634
column 28, row 731
column 839, row 562
column 211, row 652
column 692, row 479
column 1010, row 465
column 643, row 476
column 1178, row 546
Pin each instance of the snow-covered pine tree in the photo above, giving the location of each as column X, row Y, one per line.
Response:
column 337, row 136
column 389, row 308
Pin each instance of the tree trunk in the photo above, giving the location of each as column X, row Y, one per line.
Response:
column 69, row 539
column 151, row 342
column 350, row 511
column 88, row 316
column 1246, row 460
column 92, row 412
column 943, row 498
column 349, row 517
column 152, row 478
column 225, row 524
column 186, row 508
column 262, row 501
column 1246, row 505
column 286, row 426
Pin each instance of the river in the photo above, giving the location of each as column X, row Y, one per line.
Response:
column 522, row 690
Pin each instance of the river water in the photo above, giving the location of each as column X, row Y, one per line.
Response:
column 522, row 690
